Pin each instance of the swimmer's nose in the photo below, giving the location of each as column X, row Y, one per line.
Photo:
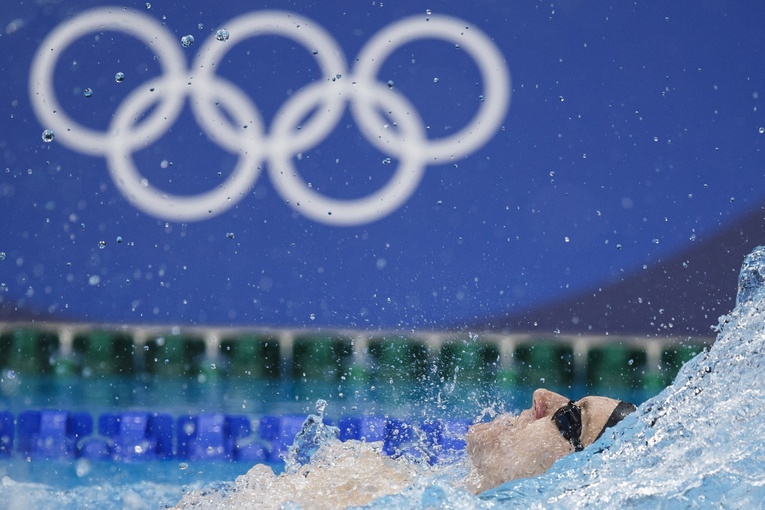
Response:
column 546, row 402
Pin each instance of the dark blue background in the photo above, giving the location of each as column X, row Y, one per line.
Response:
column 633, row 132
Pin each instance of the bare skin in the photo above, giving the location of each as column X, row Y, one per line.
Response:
column 355, row 473
column 526, row 445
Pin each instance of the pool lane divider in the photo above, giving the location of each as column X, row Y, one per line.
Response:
column 143, row 436
column 213, row 353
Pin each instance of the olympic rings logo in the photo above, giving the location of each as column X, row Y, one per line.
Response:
column 285, row 137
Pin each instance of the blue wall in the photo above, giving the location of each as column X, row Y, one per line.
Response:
column 632, row 132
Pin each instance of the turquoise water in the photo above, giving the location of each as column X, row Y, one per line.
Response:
column 259, row 396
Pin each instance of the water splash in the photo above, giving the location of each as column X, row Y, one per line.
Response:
column 698, row 444
column 313, row 435
column 752, row 276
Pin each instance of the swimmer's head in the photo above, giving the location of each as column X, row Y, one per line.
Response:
column 526, row 445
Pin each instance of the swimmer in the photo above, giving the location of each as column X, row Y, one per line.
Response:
column 354, row 473
column 526, row 445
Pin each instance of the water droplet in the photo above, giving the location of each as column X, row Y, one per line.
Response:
column 187, row 40
column 390, row 84
column 428, row 12
column 435, row 80
column 200, row 26
column 47, row 136
column 82, row 467
column 230, row 235
column 148, row 5
column 312, row 316
column 118, row 77
column 119, row 239
column 2, row 255
column 87, row 92
column 101, row 245
column 386, row 161
column 315, row 52
column 761, row 130
column 222, row 35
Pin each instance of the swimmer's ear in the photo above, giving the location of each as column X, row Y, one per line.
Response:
column 622, row 410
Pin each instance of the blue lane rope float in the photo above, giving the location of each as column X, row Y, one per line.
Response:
column 144, row 436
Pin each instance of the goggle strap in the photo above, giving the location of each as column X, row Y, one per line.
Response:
column 622, row 410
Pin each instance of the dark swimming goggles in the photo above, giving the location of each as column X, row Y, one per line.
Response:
column 568, row 419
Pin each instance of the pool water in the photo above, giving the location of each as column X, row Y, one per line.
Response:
column 698, row 444
column 437, row 395
column 79, row 481
column 695, row 445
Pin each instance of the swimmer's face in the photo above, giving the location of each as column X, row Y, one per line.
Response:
column 522, row 446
